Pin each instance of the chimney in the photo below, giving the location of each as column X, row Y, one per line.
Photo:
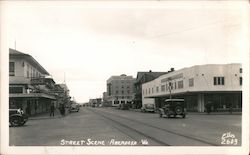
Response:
column 172, row 69
column 150, row 71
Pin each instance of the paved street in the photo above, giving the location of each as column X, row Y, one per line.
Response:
column 113, row 127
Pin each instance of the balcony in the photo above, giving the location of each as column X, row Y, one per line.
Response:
column 18, row 80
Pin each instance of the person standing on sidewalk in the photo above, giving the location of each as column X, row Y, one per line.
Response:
column 52, row 109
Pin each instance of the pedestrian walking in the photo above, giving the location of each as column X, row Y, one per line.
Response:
column 62, row 109
column 52, row 110
column 208, row 108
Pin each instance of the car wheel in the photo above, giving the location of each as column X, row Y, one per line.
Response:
column 178, row 110
column 15, row 121
column 160, row 115
column 167, row 113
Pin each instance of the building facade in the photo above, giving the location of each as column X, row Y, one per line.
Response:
column 219, row 86
column 120, row 89
column 143, row 77
column 30, row 88
column 27, row 85
column 96, row 102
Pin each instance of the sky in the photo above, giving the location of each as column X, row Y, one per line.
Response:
column 85, row 43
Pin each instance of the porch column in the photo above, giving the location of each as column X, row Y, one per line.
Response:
column 201, row 102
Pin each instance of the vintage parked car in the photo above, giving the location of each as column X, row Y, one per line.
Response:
column 173, row 108
column 17, row 117
column 74, row 108
column 148, row 108
column 124, row 105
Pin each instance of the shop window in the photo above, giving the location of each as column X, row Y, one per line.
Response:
column 219, row 80
column 12, row 69
column 191, row 82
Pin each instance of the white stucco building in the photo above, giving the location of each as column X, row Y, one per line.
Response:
column 219, row 85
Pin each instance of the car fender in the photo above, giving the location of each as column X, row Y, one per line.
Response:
column 161, row 111
column 16, row 115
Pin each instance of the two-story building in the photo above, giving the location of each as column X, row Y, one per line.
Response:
column 143, row 77
column 29, row 88
column 219, row 85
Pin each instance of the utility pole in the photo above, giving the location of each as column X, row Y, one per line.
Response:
column 170, row 87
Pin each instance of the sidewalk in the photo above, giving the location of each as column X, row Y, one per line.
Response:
column 201, row 113
column 45, row 115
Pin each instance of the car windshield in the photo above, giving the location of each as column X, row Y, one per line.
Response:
column 175, row 102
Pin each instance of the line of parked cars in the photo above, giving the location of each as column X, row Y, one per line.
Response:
column 170, row 108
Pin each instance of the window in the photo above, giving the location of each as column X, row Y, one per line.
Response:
column 170, row 85
column 241, row 81
column 175, row 85
column 122, row 92
column 116, row 92
column 12, row 69
column 28, row 72
column 191, row 82
column 34, row 74
column 163, row 88
column 152, row 90
column 219, row 80
column 31, row 72
column 128, row 91
column 180, row 84
column 148, row 90
column 240, row 70
column 157, row 89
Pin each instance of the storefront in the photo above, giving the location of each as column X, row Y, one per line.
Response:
column 32, row 104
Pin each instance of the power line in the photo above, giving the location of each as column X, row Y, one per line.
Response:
column 187, row 29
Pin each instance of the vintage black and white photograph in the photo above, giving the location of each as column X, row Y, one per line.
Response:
column 142, row 77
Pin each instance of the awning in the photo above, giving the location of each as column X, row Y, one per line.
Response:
column 32, row 95
column 193, row 92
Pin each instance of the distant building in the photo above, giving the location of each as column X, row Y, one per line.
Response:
column 29, row 89
column 62, row 93
column 120, row 89
column 143, row 77
column 105, row 100
column 95, row 102
column 216, row 85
